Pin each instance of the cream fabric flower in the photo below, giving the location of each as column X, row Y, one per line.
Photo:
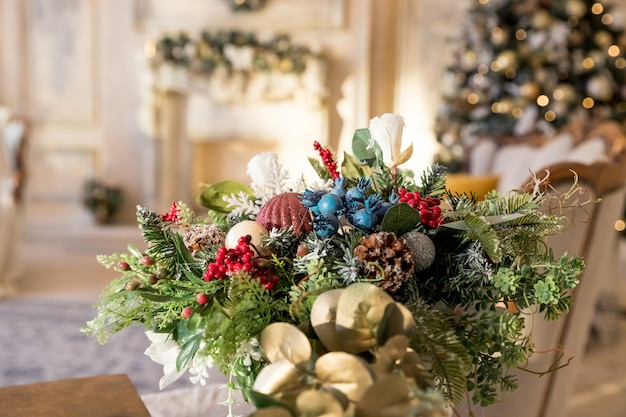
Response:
column 386, row 130
column 164, row 350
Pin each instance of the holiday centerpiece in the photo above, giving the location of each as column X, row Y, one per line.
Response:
column 366, row 292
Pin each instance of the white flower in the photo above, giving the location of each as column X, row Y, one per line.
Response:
column 164, row 350
column 268, row 176
column 386, row 130
column 199, row 369
column 250, row 351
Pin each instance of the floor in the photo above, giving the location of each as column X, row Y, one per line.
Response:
column 58, row 252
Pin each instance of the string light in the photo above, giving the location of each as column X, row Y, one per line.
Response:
column 517, row 112
column 478, row 78
column 543, row 100
column 520, row 34
column 558, row 94
column 588, row 63
column 597, row 8
column 607, row 19
column 472, row 98
column 588, row 103
column 550, row 116
column 620, row 63
column 614, row 50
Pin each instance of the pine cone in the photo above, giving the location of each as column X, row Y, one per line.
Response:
column 385, row 257
column 201, row 235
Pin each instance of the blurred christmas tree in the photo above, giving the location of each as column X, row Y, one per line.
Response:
column 524, row 67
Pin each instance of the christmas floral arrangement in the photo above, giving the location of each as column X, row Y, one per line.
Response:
column 366, row 292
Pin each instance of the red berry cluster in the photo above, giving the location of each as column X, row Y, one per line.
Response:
column 428, row 207
column 327, row 159
column 173, row 215
column 240, row 259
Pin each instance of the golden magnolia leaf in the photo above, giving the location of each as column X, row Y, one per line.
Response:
column 281, row 380
column 398, row 319
column 345, row 372
column 323, row 315
column 387, row 397
column 413, row 367
column 314, row 403
column 390, row 354
column 404, row 156
column 284, row 341
column 360, row 310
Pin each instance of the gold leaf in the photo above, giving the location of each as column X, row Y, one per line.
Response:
column 313, row 403
column 398, row 319
column 281, row 380
column 345, row 372
column 360, row 310
column 387, row 397
column 323, row 315
column 404, row 156
column 284, row 341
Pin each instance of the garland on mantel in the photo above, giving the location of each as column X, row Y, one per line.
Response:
column 242, row 65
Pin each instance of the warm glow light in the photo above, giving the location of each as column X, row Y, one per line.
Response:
column 543, row 100
column 572, row 21
column 472, row 98
column 149, row 48
column 478, row 78
column 607, row 19
column 558, row 94
column 495, row 66
column 550, row 116
column 483, row 1
column 510, row 73
column 614, row 50
column 517, row 112
column 588, row 103
column 597, row 8
column 620, row 225
column 520, row 34
column 496, row 107
column 620, row 63
column 588, row 63
column 483, row 69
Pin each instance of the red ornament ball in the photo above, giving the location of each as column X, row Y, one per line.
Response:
column 284, row 211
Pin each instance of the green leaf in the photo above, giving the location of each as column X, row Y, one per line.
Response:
column 360, row 147
column 159, row 298
column 188, row 350
column 213, row 196
column 485, row 235
column 261, row 401
column 401, row 219
column 320, row 169
column 352, row 168
column 462, row 225
column 132, row 249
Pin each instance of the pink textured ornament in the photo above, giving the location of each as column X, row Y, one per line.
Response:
column 284, row 211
